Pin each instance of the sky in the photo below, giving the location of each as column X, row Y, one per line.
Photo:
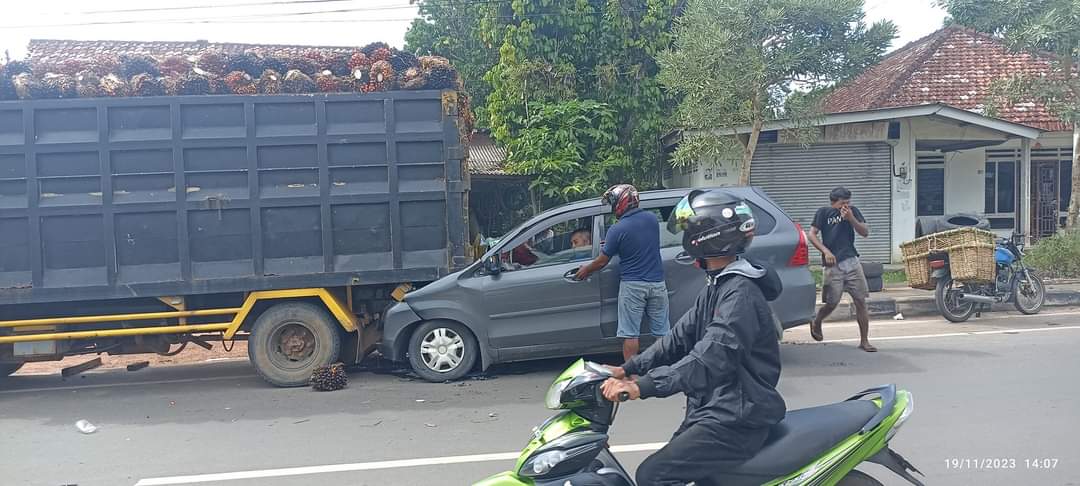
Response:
column 305, row 22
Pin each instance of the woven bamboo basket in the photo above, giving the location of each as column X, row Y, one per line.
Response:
column 917, row 268
column 972, row 263
column 916, row 247
column 959, row 237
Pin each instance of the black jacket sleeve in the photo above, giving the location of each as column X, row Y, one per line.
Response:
column 663, row 351
column 714, row 359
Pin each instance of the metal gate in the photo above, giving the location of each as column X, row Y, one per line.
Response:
column 800, row 178
column 1045, row 198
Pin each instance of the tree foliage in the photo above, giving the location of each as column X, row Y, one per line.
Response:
column 452, row 29
column 1047, row 27
column 568, row 69
column 737, row 63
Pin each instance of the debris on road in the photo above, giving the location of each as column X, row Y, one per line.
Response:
column 138, row 366
column 431, row 425
column 898, row 317
column 420, row 400
column 79, row 368
column 85, row 427
column 298, row 422
column 329, row 378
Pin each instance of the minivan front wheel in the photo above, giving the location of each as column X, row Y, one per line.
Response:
column 442, row 351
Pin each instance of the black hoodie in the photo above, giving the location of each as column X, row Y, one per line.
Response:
column 723, row 353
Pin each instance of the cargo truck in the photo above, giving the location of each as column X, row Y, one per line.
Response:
column 142, row 225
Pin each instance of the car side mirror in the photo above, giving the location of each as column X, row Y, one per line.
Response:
column 493, row 266
column 685, row 258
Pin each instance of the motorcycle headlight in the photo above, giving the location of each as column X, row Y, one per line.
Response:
column 553, row 399
column 543, row 463
column 567, row 455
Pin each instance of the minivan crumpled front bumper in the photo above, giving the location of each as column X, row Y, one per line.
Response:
column 397, row 319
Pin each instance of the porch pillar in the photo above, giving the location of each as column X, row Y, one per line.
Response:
column 1023, row 222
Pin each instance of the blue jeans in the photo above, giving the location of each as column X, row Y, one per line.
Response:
column 643, row 299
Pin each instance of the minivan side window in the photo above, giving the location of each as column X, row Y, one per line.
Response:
column 765, row 223
column 564, row 242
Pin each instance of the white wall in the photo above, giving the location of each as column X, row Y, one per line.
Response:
column 903, row 189
column 964, row 181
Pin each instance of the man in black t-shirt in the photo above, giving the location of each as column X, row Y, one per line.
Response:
column 842, row 272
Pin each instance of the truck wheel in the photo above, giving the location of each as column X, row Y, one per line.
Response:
column 290, row 340
column 442, row 350
column 7, row 369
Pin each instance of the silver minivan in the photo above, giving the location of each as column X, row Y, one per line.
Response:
column 521, row 302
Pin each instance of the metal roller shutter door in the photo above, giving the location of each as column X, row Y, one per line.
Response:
column 799, row 179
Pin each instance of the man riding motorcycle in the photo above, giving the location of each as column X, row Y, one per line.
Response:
column 722, row 354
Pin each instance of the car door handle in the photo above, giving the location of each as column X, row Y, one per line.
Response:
column 571, row 275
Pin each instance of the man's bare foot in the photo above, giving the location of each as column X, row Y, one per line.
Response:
column 869, row 348
column 815, row 330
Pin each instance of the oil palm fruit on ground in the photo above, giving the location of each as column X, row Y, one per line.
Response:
column 131, row 65
column 246, row 62
column 329, row 378
column 297, row 82
column 269, row 82
column 241, row 83
column 175, row 66
column 402, row 60
column 383, row 75
column 112, row 85
column 146, row 85
column 212, row 62
column 88, row 84
column 60, row 85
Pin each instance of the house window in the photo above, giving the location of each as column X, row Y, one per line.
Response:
column 1000, row 182
column 930, row 188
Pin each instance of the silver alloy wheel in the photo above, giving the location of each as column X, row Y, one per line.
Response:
column 442, row 350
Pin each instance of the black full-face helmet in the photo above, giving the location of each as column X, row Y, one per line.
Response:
column 715, row 223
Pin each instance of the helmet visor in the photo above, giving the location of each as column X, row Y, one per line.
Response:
column 680, row 217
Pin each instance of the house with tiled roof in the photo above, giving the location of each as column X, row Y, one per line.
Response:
column 911, row 138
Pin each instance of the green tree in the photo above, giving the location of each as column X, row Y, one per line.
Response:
column 563, row 58
column 452, row 29
column 737, row 63
column 1042, row 27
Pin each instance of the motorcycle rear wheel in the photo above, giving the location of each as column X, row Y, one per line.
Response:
column 1029, row 294
column 948, row 303
column 858, row 478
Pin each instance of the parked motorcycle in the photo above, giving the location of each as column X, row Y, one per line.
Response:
column 814, row 446
column 1013, row 281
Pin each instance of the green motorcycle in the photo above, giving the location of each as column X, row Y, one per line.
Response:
column 813, row 446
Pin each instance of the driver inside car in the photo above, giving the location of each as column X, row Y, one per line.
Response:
column 723, row 354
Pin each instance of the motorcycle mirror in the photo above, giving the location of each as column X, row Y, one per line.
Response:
column 685, row 258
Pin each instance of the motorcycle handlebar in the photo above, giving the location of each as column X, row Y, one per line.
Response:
column 624, row 396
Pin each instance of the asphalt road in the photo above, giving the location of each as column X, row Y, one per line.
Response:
column 1004, row 387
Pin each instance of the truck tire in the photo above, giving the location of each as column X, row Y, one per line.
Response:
column 8, row 369
column 290, row 340
column 442, row 351
column 962, row 220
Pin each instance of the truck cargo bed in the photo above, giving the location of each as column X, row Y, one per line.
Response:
column 128, row 197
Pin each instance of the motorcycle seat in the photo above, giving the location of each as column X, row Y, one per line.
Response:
column 802, row 436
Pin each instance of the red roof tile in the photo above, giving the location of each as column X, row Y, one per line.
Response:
column 954, row 66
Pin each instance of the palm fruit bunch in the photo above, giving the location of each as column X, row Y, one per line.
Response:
column 383, row 75
column 7, row 88
column 21, row 82
column 103, row 65
column 403, row 60
column 15, row 68
column 41, row 67
column 247, row 62
column 146, row 85
column 133, row 65
column 38, row 89
column 269, row 82
column 338, row 64
column 302, row 64
column 297, row 82
column 275, row 62
column 413, row 78
column 212, row 62
column 329, row 378
column 377, row 51
column 72, row 67
column 439, row 73
column 175, row 66
column 316, row 56
column 88, row 84
column 112, row 85
column 359, row 60
column 326, row 82
column 368, row 87
column 240, row 82
column 60, row 85
column 193, row 84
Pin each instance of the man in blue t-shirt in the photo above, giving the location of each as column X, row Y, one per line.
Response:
column 635, row 239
